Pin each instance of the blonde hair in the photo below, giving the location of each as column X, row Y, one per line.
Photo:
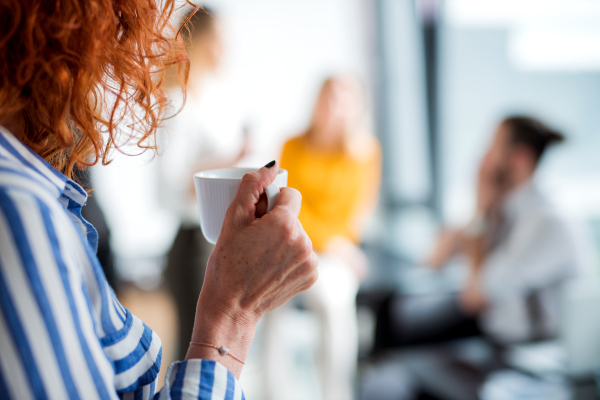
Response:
column 356, row 135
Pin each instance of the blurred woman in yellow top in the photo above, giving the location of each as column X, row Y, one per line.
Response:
column 336, row 166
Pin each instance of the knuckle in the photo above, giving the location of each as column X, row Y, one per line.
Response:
column 312, row 279
column 292, row 196
column 314, row 260
column 304, row 246
column 308, row 243
column 309, row 267
column 251, row 177
column 287, row 229
column 295, row 193
column 305, row 249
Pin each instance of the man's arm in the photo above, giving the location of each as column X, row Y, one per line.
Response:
column 472, row 299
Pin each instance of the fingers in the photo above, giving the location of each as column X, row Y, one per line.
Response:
column 299, row 272
column 307, row 274
column 305, row 271
column 261, row 206
column 302, row 278
column 248, row 195
column 290, row 200
column 313, row 274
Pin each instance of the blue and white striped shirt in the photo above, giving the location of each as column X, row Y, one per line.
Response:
column 63, row 333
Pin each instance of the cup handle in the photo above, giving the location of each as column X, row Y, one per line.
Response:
column 272, row 191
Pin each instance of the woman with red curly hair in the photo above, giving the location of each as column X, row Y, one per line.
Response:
column 77, row 79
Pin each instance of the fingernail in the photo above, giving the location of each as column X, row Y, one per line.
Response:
column 269, row 165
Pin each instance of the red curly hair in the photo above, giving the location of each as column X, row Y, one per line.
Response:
column 73, row 71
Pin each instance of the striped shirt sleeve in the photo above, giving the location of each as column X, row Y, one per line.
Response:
column 200, row 379
column 50, row 342
column 45, row 322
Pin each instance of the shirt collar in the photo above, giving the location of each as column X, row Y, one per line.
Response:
column 27, row 161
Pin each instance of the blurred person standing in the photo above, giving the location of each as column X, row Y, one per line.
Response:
column 336, row 166
column 518, row 249
column 200, row 137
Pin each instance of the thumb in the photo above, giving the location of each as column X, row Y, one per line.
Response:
column 248, row 195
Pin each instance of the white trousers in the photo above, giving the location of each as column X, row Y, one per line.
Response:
column 333, row 301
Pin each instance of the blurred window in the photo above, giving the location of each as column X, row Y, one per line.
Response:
column 448, row 72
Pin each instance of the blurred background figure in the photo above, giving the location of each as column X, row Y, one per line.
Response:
column 336, row 165
column 519, row 252
column 208, row 133
column 519, row 249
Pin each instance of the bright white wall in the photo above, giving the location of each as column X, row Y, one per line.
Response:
column 279, row 51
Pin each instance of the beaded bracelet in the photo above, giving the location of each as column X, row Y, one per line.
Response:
column 224, row 351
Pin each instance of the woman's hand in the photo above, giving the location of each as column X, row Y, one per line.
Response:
column 257, row 265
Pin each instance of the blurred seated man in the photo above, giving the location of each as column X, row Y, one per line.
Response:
column 519, row 252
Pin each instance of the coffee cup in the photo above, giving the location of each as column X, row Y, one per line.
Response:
column 216, row 189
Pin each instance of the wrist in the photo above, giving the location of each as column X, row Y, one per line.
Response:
column 475, row 252
column 221, row 326
column 232, row 328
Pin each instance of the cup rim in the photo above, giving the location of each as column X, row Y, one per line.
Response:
column 245, row 170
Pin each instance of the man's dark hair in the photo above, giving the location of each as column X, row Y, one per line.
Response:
column 532, row 133
column 198, row 23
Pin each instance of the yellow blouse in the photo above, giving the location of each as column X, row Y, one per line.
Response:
column 339, row 189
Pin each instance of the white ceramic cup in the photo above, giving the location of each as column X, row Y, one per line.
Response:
column 215, row 190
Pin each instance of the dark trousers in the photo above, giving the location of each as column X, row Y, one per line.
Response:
column 421, row 319
column 418, row 354
column 184, row 275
